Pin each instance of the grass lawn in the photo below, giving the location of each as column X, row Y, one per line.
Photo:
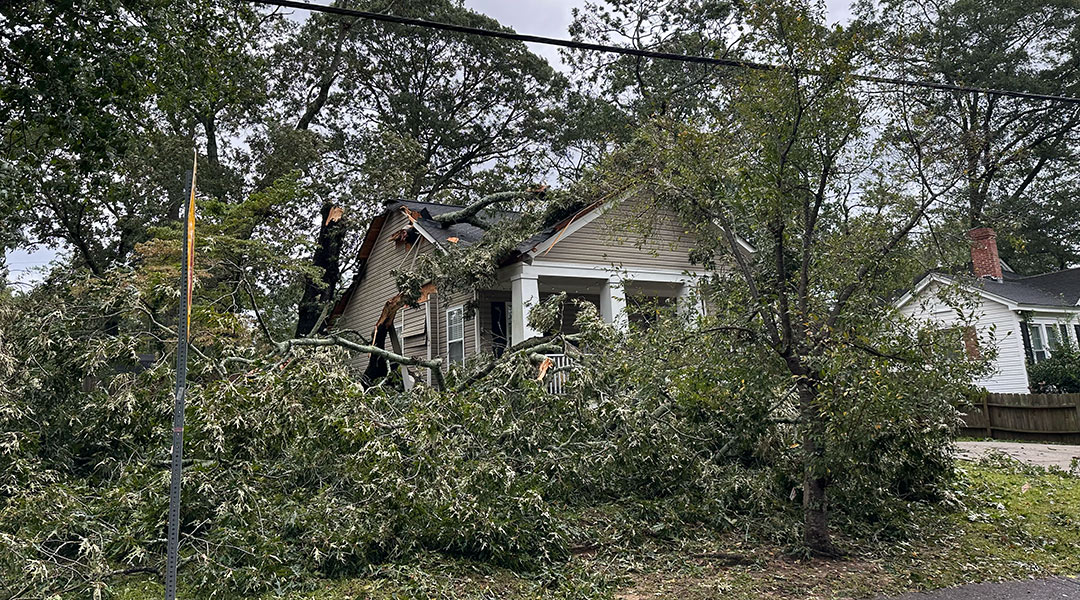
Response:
column 1015, row 522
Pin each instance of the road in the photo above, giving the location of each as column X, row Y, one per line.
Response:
column 1041, row 455
column 1054, row 588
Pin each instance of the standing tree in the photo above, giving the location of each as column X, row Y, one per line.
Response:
column 410, row 113
column 1016, row 160
column 619, row 94
column 101, row 107
column 796, row 173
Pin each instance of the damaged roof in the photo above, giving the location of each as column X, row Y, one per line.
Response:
column 467, row 234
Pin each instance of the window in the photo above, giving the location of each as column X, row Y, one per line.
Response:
column 1047, row 338
column 1053, row 338
column 1038, row 347
column 455, row 334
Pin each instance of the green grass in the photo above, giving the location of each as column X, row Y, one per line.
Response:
column 1018, row 522
column 1007, row 522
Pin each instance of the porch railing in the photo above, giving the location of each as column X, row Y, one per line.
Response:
column 559, row 376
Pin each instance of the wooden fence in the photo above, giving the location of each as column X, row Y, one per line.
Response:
column 1032, row 417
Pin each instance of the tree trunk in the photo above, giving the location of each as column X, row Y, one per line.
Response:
column 327, row 256
column 816, row 531
column 816, row 534
column 378, row 367
column 210, row 128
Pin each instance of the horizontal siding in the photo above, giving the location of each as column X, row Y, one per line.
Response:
column 377, row 286
column 634, row 233
column 997, row 322
column 439, row 337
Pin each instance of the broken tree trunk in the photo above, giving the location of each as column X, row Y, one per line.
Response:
column 319, row 293
column 377, row 365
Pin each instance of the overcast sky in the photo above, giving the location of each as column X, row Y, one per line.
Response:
column 552, row 17
column 538, row 17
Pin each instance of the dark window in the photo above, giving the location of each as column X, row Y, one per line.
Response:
column 499, row 337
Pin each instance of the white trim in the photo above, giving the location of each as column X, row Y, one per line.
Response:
column 461, row 308
column 476, row 320
column 545, row 245
column 428, row 237
column 1011, row 304
column 524, row 296
column 1069, row 342
column 548, row 243
column 543, row 268
column 429, row 333
column 423, row 232
column 613, row 303
column 919, row 287
column 745, row 245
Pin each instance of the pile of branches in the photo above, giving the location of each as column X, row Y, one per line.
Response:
column 297, row 470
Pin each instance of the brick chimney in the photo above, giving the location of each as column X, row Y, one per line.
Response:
column 984, row 253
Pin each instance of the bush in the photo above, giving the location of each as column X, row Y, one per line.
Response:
column 1059, row 374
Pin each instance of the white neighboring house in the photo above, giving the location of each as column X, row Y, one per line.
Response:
column 1030, row 317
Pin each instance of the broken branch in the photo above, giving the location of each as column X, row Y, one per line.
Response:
column 434, row 365
column 469, row 213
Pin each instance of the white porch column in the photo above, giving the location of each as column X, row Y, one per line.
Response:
column 524, row 294
column 613, row 302
column 688, row 304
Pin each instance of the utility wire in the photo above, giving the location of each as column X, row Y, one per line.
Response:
column 723, row 62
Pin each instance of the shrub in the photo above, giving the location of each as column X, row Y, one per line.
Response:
column 1058, row 374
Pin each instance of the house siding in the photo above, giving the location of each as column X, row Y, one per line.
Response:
column 440, row 304
column 633, row 233
column 378, row 286
column 996, row 321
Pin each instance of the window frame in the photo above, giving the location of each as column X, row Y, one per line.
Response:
column 1041, row 331
column 460, row 309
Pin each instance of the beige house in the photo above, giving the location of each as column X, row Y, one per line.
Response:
column 602, row 254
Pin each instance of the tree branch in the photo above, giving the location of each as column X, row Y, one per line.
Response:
column 469, row 213
column 434, row 365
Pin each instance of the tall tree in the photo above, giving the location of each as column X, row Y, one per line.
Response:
column 796, row 173
column 103, row 102
column 627, row 91
column 413, row 113
column 1012, row 156
column 644, row 87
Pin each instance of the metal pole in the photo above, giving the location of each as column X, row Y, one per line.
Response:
column 187, row 279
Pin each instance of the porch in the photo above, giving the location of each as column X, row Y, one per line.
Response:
column 610, row 289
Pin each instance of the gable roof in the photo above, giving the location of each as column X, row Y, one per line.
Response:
column 421, row 214
column 1056, row 290
column 1063, row 287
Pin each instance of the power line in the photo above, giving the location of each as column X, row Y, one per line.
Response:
column 722, row 62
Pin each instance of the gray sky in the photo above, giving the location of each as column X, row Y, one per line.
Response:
column 538, row 17
column 552, row 17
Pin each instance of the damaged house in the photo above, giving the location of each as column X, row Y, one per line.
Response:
column 595, row 254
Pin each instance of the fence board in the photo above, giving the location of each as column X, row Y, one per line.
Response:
column 1033, row 417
